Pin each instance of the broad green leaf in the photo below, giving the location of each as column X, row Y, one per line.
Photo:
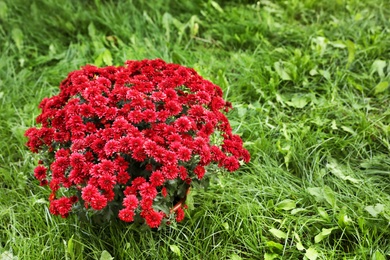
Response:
column 216, row 6
column 313, row 72
column 298, row 101
column 378, row 67
column 351, row 52
column 226, row 226
column 358, row 17
column 338, row 44
column 355, row 85
column 91, row 30
column 329, row 195
column 270, row 204
column 317, row 193
column 194, row 25
column 334, row 125
column 324, row 233
column 3, row 10
column 241, row 111
column 106, row 256
column 381, row 87
column 175, row 249
column 378, row 256
column 323, row 213
column 325, row 74
column 190, row 199
column 148, row 18
column 349, row 130
column 273, row 244
column 297, row 210
column 286, row 205
column 278, row 233
column 300, row 247
column 281, row 71
column 374, row 211
column 107, row 58
column 311, row 254
column 268, row 256
column 166, row 20
column 344, row 220
column 338, row 171
column 235, row 257
column 7, row 255
column 17, row 36
column 70, row 247
column 320, row 44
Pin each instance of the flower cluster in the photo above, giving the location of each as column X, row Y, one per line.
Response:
column 139, row 134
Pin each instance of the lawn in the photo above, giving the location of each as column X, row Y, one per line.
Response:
column 309, row 82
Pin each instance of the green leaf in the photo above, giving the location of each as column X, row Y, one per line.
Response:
column 70, row 247
column 378, row 256
column 226, row 226
column 3, row 10
column 297, row 210
column 166, row 20
column 320, row 44
column 298, row 101
column 299, row 246
column 281, row 71
column 378, row 67
column 374, row 211
column 381, row 87
column 329, row 196
column 344, row 220
column 106, row 256
column 17, row 36
column 241, row 111
column 268, row 256
column 311, row 254
column 91, row 30
column 317, row 193
column 107, row 58
column 325, row 74
column 278, row 233
column 7, row 255
column 273, row 244
column 338, row 171
column 175, row 249
column 286, row 205
column 235, row 257
column 324, row 233
column 351, row 52
column 313, row 72
column 349, row 130
column 323, row 213
column 194, row 25
column 216, row 6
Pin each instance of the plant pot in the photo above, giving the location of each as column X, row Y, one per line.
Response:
column 180, row 203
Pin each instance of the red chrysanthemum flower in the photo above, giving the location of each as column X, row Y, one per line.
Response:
column 153, row 218
column 132, row 135
column 126, row 215
column 130, row 202
column 179, row 214
column 40, row 172
column 157, row 178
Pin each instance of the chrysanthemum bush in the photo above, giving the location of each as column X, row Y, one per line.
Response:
column 128, row 142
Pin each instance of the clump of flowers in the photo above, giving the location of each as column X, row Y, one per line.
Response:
column 129, row 141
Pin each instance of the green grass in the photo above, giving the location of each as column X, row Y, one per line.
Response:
column 309, row 82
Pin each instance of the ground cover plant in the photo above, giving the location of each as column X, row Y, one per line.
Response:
column 309, row 82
